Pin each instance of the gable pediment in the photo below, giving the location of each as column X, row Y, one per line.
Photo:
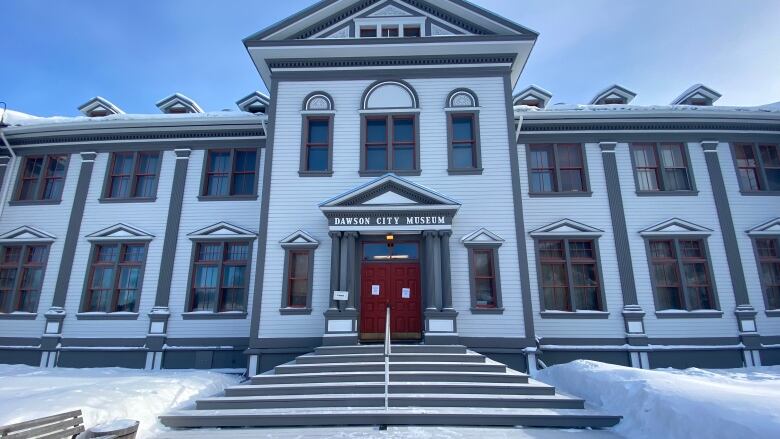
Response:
column 675, row 226
column 222, row 230
column 299, row 239
column 566, row 227
column 26, row 234
column 771, row 227
column 614, row 94
column 389, row 190
column 122, row 232
column 99, row 106
column 481, row 237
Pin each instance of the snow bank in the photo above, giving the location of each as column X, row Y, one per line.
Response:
column 103, row 394
column 669, row 404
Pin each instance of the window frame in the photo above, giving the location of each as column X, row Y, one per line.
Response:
column 303, row 171
column 389, row 118
column 15, row 297
column 586, row 192
column 289, row 251
column 714, row 312
column 39, row 187
column 568, row 262
column 202, row 196
column 770, row 312
column 477, row 150
column 86, row 296
column 106, row 193
column 760, row 168
column 492, row 249
column 189, row 313
column 660, row 178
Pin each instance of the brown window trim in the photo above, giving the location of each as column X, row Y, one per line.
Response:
column 294, row 255
column 229, row 196
column 773, row 241
column 134, row 177
column 117, row 265
column 660, row 178
column 13, row 304
column 305, row 145
column 568, row 261
column 40, row 180
column 493, row 250
column 759, row 169
column 219, row 299
column 390, row 144
column 476, row 152
column 556, row 191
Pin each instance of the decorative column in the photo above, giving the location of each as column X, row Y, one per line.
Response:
column 430, row 271
column 160, row 313
column 440, row 325
column 55, row 316
column 746, row 314
column 335, row 260
column 633, row 315
column 341, row 318
column 446, row 280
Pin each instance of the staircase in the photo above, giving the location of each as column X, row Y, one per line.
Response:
column 428, row 385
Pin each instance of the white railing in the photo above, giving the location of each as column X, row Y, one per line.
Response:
column 387, row 357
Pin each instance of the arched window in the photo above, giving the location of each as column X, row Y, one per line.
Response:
column 317, row 136
column 390, row 130
column 462, row 98
column 463, row 149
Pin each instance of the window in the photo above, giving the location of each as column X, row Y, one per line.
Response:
column 230, row 173
column 368, row 32
column 464, row 143
column 298, row 278
column 132, row 175
column 680, row 274
column 557, row 168
column 114, row 280
column 390, row 143
column 42, row 178
column 390, row 31
column 569, row 275
column 411, row 31
column 21, row 276
column 661, row 167
column 316, row 154
column 484, row 277
column 758, row 167
column 768, row 253
column 220, row 274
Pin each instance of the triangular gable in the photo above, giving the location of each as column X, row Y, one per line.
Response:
column 120, row 231
column 299, row 239
column 613, row 93
column 178, row 103
column 533, row 96
column 481, row 237
column 98, row 107
column 255, row 102
column 675, row 226
column 222, row 230
column 566, row 227
column 327, row 16
column 26, row 234
column 771, row 227
column 389, row 189
column 697, row 92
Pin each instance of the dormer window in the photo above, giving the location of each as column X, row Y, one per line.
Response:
column 99, row 107
column 614, row 95
column 177, row 103
column 531, row 103
column 255, row 103
column 698, row 95
column 533, row 96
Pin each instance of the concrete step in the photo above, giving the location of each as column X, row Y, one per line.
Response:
column 379, row 376
column 380, row 367
column 396, row 358
column 396, row 348
column 530, row 417
column 394, row 388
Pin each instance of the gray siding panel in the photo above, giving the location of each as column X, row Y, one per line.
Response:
column 711, row 359
column 126, row 359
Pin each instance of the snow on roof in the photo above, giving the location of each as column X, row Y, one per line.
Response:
column 11, row 117
column 697, row 90
column 578, row 108
column 15, row 118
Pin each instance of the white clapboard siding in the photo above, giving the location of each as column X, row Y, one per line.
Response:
column 643, row 212
column 748, row 212
column 592, row 211
column 52, row 219
column 486, row 199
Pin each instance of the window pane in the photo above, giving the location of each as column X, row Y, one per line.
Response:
column 485, row 294
column 245, row 161
column 205, row 291
column 232, row 299
column 318, row 131
column 676, row 180
column 144, row 187
column 770, row 154
column 237, row 252
column 209, row 252
column 462, row 128
column 411, row 31
column 586, row 299
column 571, row 180
column 317, row 158
column 103, row 278
column 556, row 299
column 219, row 161
column 375, row 251
column 403, row 158
column 129, row 283
column 766, row 248
column 33, row 167
column 206, row 276
column 542, row 181
column 133, row 253
column 367, row 32
column 376, row 159
column 463, row 156
column 100, row 301
column 569, row 156
column 551, row 250
column 299, row 265
column 126, row 301
column 748, row 179
column 32, row 278
column 389, row 31
column 672, row 156
column 233, row 276
column 773, row 179
column 773, row 297
column 56, row 167
column 403, row 130
column 554, row 275
column 376, row 131
column 584, row 275
column 691, row 249
column 7, row 279
column 483, row 264
column 107, row 253
column 298, row 293
column 52, row 189
column 668, row 298
column 120, row 187
column 699, row 298
column 123, row 164
column 147, row 163
column 12, row 255
column 581, row 249
column 661, row 249
column 243, row 184
column 217, row 185
column 541, row 157
column 405, row 250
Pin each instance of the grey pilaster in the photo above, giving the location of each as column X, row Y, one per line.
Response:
column 745, row 311
column 351, row 246
column 446, row 279
column 437, row 273
column 335, row 259
column 172, row 228
column 430, row 272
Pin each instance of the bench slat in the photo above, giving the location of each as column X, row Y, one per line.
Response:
column 44, row 429
column 65, row 434
column 36, row 422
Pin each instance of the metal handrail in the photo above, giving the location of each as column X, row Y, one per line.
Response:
column 387, row 357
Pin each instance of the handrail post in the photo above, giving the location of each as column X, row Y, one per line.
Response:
column 387, row 357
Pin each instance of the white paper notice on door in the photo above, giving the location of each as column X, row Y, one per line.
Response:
column 406, row 293
column 374, row 290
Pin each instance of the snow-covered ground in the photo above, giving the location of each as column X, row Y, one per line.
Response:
column 103, row 395
column 670, row 404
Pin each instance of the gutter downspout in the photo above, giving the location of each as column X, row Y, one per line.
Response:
column 4, row 196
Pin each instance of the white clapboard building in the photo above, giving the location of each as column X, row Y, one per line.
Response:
column 392, row 163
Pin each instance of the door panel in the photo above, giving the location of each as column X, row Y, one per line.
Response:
column 392, row 278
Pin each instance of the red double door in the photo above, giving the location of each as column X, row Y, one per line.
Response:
column 397, row 284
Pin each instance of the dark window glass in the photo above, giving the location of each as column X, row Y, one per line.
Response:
column 770, row 157
column 675, row 168
column 298, row 287
column 389, row 31
column 21, row 277
column 368, row 32
column 411, row 31
column 42, row 178
column 381, row 251
column 646, row 167
column 569, row 275
column 661, row 167
column 133, row 175
column 231, row 172
column 758, row 167
column 115, row 278
column 681, row 282
column 484, row 278
column 317, row 144
column 390, row 143
column 769, row 267
column 556, row 168
column 220, row 271
column 571, row 168
column 463, row 141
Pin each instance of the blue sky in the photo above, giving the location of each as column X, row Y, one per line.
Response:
column 57, row 54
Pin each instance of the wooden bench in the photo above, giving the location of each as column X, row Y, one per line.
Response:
column 64, row 425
